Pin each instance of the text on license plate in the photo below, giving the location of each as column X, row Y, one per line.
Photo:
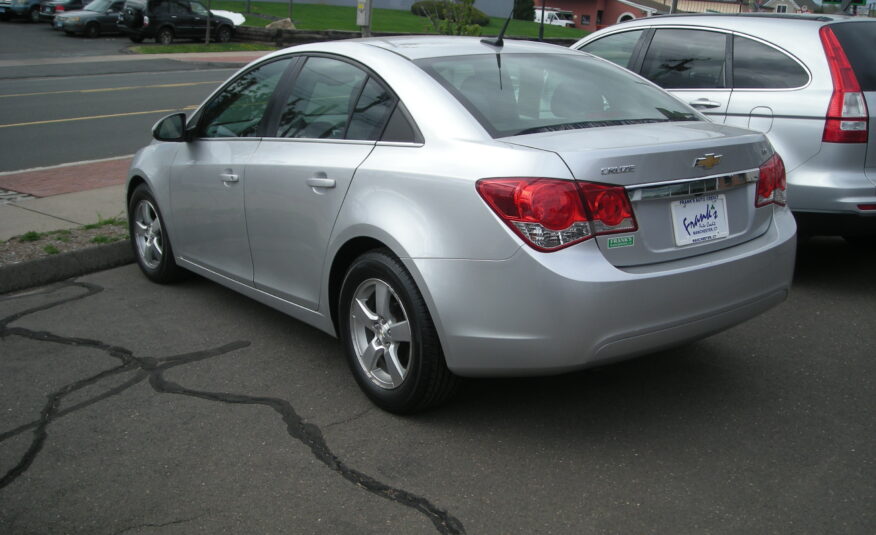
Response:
column 700, row 219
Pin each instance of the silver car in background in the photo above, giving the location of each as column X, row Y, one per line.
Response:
column 807, row 81
column 453, row 207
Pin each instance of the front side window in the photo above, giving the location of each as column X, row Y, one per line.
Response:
column 238, row 109
column 528, row 93
column 198, row 9
column 686, row 59
column 756, row 65
column 321, row 99
column 617, row 48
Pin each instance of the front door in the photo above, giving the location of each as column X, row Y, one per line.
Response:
column 209, row 174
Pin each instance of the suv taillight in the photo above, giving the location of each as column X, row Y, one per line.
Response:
column 772, row 183
column 550, row 214
column 59, row 9
column 847, row 115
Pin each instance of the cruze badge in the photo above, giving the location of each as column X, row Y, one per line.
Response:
column 618, row 170
column 708, row 161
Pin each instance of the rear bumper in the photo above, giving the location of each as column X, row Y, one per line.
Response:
column 835, row 181
column 538, row 313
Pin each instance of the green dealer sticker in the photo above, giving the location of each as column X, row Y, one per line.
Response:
column 621, row 241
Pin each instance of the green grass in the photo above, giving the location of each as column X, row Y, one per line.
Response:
column 31, row 236
column 321, row 17
column 115, row 221
column 51, row 249
column 200, row 47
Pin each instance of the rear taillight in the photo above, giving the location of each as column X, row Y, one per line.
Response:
column 847, row 115
column 771, row 183
column 59, row 9
column 550, row 214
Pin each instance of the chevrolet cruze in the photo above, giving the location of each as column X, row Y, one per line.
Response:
column 460, row 207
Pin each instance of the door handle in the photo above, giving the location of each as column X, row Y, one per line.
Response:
column 228, row 178
column 316, row 182
column 704, row 103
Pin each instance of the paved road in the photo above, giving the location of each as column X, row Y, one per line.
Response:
column 136, row 408
column 82, row 110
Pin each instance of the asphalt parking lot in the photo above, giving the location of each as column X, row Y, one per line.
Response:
column 135, row 408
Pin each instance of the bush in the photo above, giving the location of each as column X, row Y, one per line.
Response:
column 439, row 8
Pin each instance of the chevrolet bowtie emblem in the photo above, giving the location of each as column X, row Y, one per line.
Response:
column 708, row 161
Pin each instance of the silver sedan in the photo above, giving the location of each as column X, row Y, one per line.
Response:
column 458, row 207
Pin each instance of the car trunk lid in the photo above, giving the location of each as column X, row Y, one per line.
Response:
column 692, row 184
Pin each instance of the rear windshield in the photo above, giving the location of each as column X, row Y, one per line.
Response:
column 514, row 94
column 859, row 43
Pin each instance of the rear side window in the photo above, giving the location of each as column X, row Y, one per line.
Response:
column 529, row 93
column 756, row 65
column 617, row 48
column 859, row 43
column 686, row 59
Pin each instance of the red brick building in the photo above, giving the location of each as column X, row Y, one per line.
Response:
column 592, row 15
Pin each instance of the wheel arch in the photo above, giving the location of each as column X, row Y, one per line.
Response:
column 343, row 258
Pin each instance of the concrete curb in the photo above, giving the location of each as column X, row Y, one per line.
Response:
column 55, row 268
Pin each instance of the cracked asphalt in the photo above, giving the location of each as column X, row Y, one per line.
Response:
column 127, row 407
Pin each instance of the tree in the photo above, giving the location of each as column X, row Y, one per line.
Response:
column 524, row 10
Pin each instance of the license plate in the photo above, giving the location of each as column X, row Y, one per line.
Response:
column 700, row 219
column 58, row 23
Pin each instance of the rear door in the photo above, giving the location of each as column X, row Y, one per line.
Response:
column 691, row 64
column 325, row 128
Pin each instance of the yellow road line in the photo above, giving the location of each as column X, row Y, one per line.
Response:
column 52, row 121
column 108, row 89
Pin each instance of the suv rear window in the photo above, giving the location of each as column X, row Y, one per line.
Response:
column 859, row 43
column 515, row 94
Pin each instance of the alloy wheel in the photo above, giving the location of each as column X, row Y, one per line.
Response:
column 148, row 234
column 381, row 333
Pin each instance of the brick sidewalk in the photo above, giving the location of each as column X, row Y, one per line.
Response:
column 67, row 178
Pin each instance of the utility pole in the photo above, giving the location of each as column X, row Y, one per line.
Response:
column 674, row 7
column 363, row 17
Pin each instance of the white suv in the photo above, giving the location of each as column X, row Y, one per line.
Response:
column 807, row 81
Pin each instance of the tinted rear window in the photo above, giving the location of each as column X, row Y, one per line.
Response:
column 859, row 42
column 513, row 94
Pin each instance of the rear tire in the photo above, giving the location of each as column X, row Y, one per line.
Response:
column 391, row 343
column 149, row 238
column 164, row 36
column 92, row 30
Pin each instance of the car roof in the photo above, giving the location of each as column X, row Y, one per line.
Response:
column 426, row 46
column 733, row 21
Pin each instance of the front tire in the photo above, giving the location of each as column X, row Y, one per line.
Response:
column 92, row 31
column 35, row 15
column 149, row 238
column 390, row 340
column 223, row 34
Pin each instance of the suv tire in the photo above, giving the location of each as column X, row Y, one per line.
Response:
column 223, row 34
column 164, row 36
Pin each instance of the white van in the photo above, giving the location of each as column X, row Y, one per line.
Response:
column 555, row 17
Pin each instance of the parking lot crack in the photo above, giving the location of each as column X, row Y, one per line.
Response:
column 153, row 368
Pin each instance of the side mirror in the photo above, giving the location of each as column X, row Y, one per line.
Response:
column 171, row 128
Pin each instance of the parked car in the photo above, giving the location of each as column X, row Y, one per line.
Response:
column 166, row 20
column 29, row 9
column 50, row 8
column 555, row 17
column 452, row 207
column 98, row 17
column 808, row 81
